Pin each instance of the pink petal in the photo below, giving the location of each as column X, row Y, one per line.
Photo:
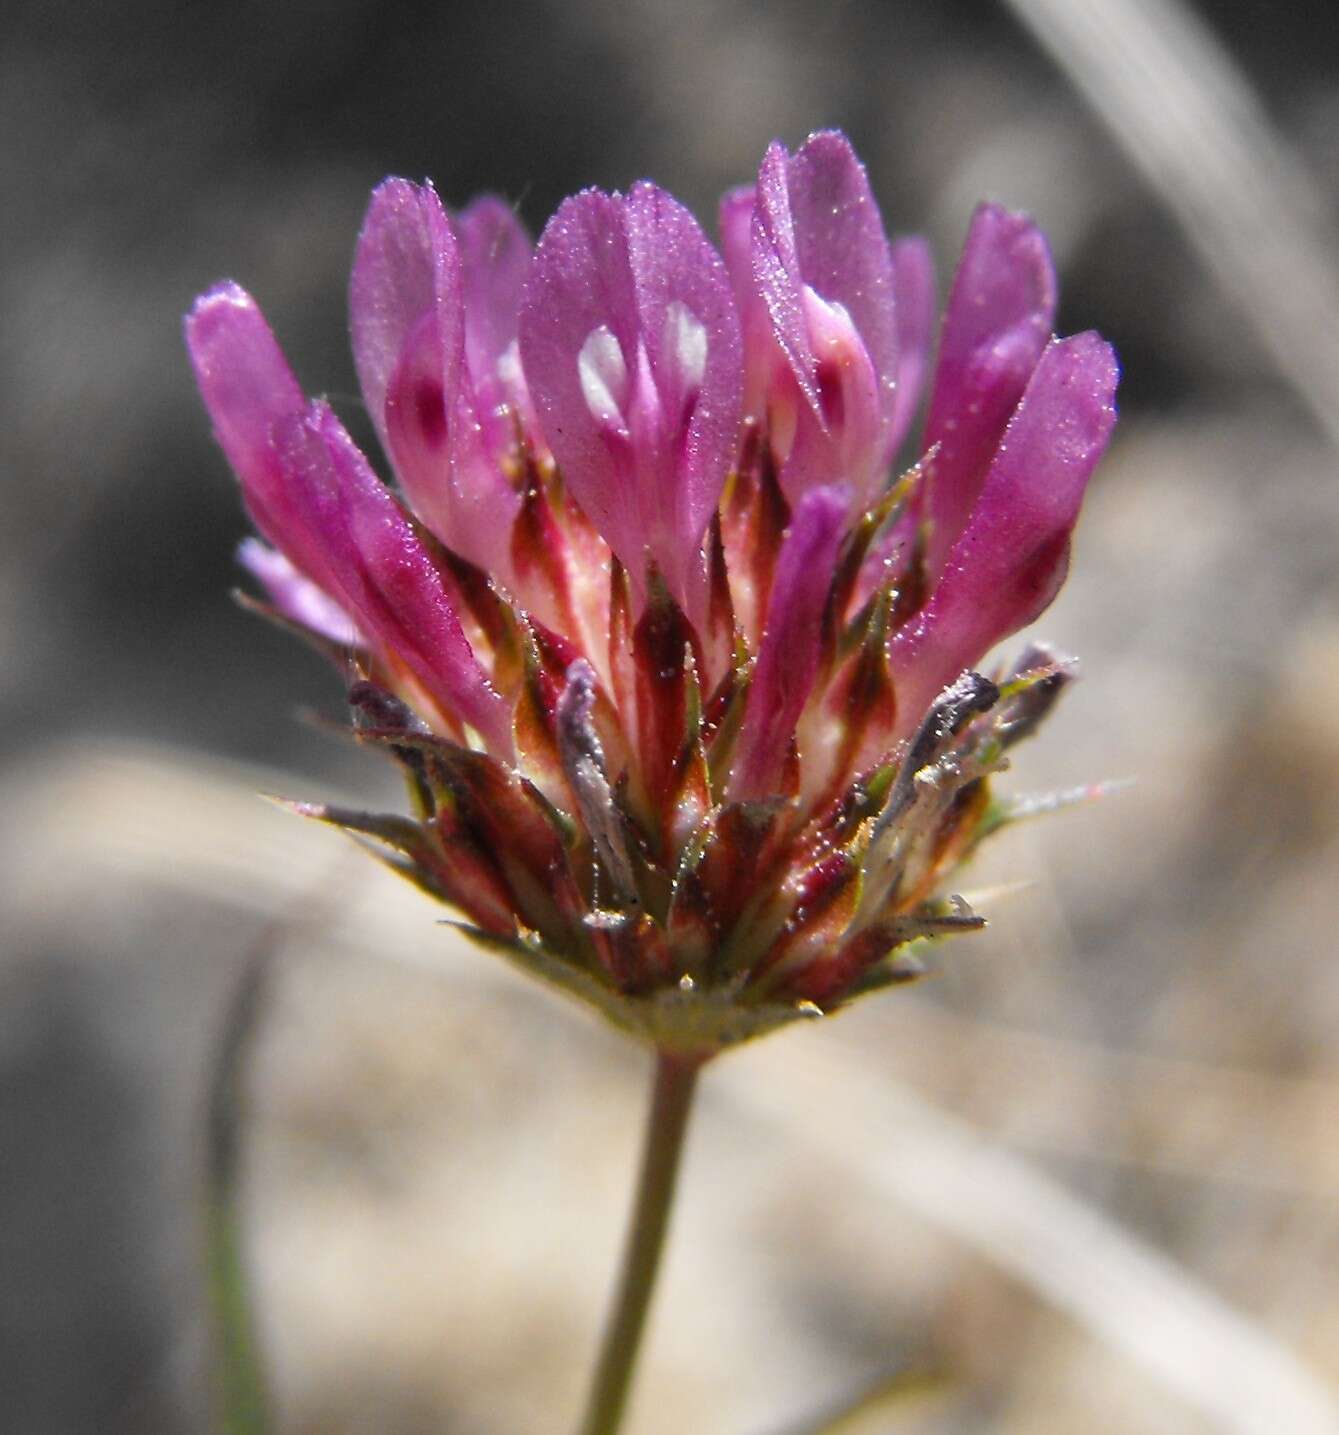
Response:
column 792, row 641
column 997, row 323
column 849, row 441
column 249, row 390
column 674, row 266
column 823, row 267
column 630, row 344
column 776, row 271
column 580, row 282
column 296, row 597
column 444, row 464
column 842, row 249
column 409, row 335
column 914, row 294
column 1011, row 557
column 735, row 219
column 405, row 283
column 383, row 576
column 244, row 379
column 316, row 498
column 495, row 255
column 760, row 351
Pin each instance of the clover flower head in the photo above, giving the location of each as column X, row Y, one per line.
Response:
column 684, row 684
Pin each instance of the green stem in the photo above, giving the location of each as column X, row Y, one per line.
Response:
column 241, row 1393
column 666, row 1122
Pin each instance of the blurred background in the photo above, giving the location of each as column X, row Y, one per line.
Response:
column 1087, row 1175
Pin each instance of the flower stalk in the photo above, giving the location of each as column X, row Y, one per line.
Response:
column 692, row 694
column 241, row 1392
column 673, row 1086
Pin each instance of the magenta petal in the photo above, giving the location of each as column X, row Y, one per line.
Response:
column 842, row 249
column 247, row 387
column 914, row 292
column 418, row 420
column 296, row 597
column 406, row 279
column 792, row 640
column 495, row 255
column 823, row 268
column 382, row 573
column 736, row 225
column 761, row 355
column 1011, row 557
column 316, row 498
column 409, row 336
column 580, row 282
column 776, row 271
column 251, row 394
column 998, row 320
column 630, row 345
column 448, row 469
column 675, row 269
